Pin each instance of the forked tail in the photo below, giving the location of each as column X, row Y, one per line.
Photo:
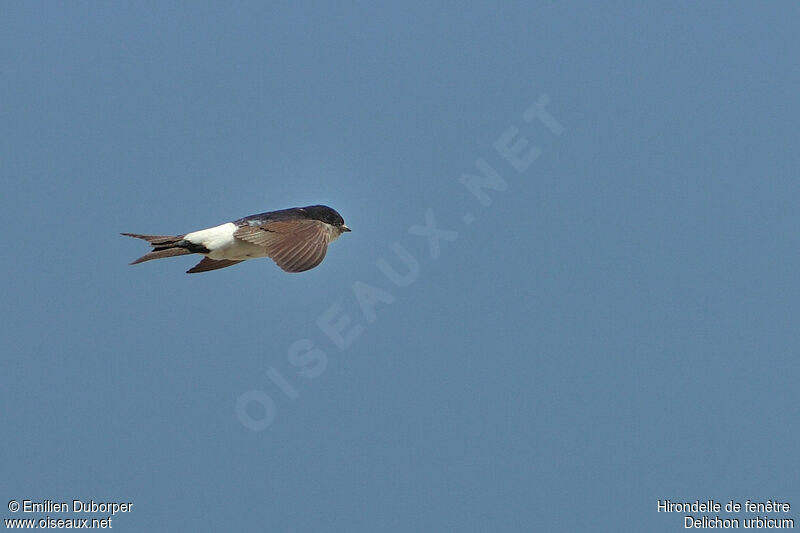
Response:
column 163, row 246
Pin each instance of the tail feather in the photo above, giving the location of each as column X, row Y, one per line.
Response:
column 160, row 254
column 163, row 246
column 156, row 239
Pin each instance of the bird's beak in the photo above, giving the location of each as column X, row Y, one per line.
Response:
column 345, row 228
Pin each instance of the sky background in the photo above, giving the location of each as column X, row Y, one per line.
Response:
column 617, row 326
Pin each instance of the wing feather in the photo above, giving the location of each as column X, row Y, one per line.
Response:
column 211, row 264
column 294, row 245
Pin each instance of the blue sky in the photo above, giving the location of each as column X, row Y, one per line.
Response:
column 613, row 327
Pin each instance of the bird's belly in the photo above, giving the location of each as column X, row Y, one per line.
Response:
column 221, row 243
column 237, row 250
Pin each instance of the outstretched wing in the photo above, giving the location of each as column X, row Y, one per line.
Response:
column 295, row 245
column 211, row 264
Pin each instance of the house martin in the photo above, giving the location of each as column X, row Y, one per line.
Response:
column 296, row 239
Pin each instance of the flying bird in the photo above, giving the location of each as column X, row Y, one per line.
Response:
column 296, row 239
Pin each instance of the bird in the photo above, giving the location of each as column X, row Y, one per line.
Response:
column 296, row 239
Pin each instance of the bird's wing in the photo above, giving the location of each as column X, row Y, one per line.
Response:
column 211, row 264
column 295, row 245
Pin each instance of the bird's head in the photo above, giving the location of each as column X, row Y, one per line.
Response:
column 328, row 215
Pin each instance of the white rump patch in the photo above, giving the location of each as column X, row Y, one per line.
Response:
column 222, row 245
